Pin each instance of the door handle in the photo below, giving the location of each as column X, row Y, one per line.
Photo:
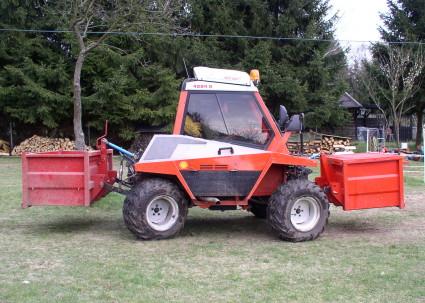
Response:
column 226, row 148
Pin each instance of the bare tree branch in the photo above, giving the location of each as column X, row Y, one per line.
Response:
column 400, row 69
column 107, row 16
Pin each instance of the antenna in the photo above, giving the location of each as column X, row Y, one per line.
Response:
column 185, row 67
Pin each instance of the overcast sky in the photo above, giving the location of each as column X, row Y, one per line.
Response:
column 359, row 20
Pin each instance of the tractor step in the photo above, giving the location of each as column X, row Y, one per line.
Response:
column 365, row 180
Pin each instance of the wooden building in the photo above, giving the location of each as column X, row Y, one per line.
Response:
column 355, row 108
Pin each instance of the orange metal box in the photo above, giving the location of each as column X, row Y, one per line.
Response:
column 71, row 178
column 359, row 181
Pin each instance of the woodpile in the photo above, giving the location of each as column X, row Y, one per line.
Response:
column 331, row 144
column 4, row 147
column 309, row 147
column 320, row 143
column 37, row 144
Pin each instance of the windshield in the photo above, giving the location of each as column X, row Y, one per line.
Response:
column 230, row 117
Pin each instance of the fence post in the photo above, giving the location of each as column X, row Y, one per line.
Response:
column 367, row 139
column 10, row 138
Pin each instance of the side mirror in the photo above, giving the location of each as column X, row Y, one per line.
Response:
column 295, row 124
column 283, row 116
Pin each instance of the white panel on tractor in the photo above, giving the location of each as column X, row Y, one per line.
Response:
column 222, row 75
column 179, row 147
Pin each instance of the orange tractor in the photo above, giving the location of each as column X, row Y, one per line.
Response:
column 226, row 152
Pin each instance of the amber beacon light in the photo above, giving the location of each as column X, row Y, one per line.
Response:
column 254, row 74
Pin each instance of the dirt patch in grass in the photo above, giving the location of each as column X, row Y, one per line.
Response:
column 389, row 225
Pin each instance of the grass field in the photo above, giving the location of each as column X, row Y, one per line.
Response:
column 58, row 254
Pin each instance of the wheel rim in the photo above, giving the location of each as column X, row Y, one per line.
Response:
column 305, row 213
column 162, row 212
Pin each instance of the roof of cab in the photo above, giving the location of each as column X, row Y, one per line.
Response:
column 214, row 79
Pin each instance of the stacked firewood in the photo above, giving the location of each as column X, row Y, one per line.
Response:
column 332, row 144
column 37, row 144
column 321, row 143
column 309, row 147
column 4, row 147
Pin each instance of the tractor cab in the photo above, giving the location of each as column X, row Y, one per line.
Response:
column 225, row 106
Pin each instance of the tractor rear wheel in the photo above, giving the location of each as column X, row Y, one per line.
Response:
column 298, row 211
column 155, row 209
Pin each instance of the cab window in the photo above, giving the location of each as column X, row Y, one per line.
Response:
column 226, row 117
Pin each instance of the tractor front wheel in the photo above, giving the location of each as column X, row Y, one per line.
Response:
column 155, row 209
column 298, row 211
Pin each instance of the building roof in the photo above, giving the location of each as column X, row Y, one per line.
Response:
column 348, row 101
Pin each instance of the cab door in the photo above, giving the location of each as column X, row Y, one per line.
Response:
column 235, row 122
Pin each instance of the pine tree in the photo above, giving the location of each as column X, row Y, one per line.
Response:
column 127, row 93
column 305, row 76
column 34, row 76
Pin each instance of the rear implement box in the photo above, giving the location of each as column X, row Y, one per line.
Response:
column 360, row 181
column 68, row 178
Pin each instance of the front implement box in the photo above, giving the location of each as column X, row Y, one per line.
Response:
column 360, row 181
column 67, row 178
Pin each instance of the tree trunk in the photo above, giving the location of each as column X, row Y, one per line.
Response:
column 78, row 127
column 397, row 130
column 419, row 125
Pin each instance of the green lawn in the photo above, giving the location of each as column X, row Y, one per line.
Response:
column 59, row 254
